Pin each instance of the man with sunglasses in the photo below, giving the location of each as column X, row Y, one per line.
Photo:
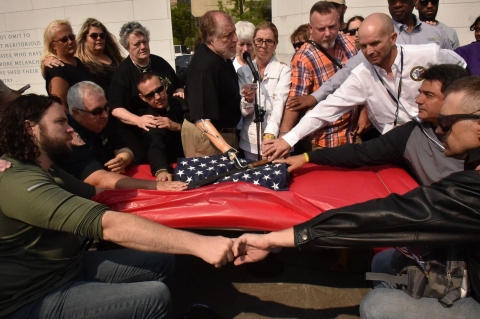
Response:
column 105, row 155
column 163, row 143
column 312, row 65
column 427, row 12
column 444, row 214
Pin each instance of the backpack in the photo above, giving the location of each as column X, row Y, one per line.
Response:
column 443, row 279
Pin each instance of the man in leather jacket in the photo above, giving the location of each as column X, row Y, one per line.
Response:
column 444, row 213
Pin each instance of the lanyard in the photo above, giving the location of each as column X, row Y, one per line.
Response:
column 399, row 90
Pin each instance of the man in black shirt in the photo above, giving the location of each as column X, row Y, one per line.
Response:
column 105, row 155
column 163, row 142
column 212, row 92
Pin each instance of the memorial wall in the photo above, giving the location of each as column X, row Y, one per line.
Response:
column 22, row 23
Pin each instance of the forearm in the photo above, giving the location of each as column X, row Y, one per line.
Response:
column 213, row 135
column 289, row 120
column 336, row 81
column 111, row 180
column 423, row 216
column 125, row 116
column 283, row 238
column 135, row 232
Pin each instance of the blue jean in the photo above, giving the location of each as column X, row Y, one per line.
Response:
column 395, row 303
column 120, row 283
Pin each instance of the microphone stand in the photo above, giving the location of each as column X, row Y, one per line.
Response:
column 259, row 117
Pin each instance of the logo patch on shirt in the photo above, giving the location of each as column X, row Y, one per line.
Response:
column 416, row 74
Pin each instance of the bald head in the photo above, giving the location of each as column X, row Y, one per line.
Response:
column 377, row 22
column 377, row 38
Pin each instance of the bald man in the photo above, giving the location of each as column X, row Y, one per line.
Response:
column 387, row 82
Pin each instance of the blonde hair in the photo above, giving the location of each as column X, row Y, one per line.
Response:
column 48, row 40
column 87, row 57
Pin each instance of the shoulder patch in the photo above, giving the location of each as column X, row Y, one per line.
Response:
column 416, row 74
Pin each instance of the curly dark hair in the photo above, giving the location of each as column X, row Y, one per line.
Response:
column 15, row 139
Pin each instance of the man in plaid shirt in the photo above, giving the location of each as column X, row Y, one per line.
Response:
column 311, row 68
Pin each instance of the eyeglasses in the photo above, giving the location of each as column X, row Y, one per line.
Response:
column 268, row 42
column 352, row 32
column 158, row 90
column 446, row 121
column 95, row 35
column 96, row 111
column 66, row 38
column 424, row 3
column 297, row 45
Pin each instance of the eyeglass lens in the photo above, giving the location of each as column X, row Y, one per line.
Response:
column 99, row 110
column 152, row 94
column 97, row 35
column 352, row 32
column 425, row 2
column 268, row 42
column 297, row 45
column 66, row 38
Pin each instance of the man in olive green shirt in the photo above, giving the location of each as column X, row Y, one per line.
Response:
column 43, row 272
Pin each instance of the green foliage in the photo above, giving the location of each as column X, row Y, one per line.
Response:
column 183, row 24
column 254, row 11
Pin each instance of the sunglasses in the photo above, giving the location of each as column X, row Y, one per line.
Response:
column 424, row 3
column 268, row 42
column 95, row 36
column 96, row 111
column 352, row 32
column 158, row 90
column 446, row 121
column 66, row 38
column 297, row 45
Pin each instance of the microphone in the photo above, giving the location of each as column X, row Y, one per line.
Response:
column 246, row 56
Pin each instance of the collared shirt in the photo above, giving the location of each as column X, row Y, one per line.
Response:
column 451, row 34
column 364, row 87
column 310, row 69
column 421, row 33
column 471, row 54
column 99, row 148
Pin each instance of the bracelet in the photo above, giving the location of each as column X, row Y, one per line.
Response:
column 123, row 158
column 307, row 159
column 160, row 171
column 283, row 133
column 269, row 135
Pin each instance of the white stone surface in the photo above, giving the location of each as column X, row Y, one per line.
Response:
column 289, row 14
column 22, row 23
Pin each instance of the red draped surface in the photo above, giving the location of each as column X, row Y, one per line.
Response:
column 241, row 205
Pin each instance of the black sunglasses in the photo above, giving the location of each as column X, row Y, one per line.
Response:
column 96, row 111
column 95, row 35
column 424, row 3
column 352, row 32
column 297, row 45
column 66, row 38
column 446, row 121
column 152, row 94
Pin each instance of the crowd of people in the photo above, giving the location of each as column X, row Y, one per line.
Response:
column 382, row 89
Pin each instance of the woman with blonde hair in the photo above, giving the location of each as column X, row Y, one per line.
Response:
column 59, row 42
column 98, row 49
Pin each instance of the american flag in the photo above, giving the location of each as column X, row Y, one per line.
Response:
column 195, row 169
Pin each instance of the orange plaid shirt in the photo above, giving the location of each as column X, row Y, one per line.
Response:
column 310, row 69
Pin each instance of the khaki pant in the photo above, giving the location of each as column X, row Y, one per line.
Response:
column 197, row 144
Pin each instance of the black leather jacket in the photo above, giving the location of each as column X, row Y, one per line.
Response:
column 444, row 213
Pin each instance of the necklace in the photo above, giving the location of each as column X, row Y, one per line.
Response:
column 143, row 69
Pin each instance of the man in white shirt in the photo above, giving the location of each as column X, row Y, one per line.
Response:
column 387, row 83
